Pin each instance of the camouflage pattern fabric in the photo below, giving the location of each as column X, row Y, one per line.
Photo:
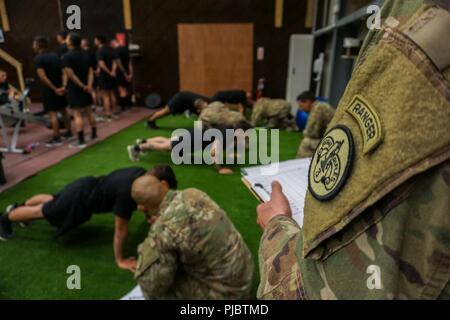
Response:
column 396, row 243
column 403, row 253
column 318, row 121
column 219, row 114
column 273, row 113
column 193, row 251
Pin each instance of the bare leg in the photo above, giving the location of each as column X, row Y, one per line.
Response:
column 106, row 102
column 123, row 92
column 39, row 199
column 79, row 122
column 67, row 121
column 113, row 99
column 26, row 214
column 91, row 118
column 94, row 97
column 55, row 123
column 157, row 143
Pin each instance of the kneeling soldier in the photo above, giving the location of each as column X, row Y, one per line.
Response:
column 193, row 251
column 320, row 115
column 274, row 114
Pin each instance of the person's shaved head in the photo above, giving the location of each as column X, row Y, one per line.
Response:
column 148, row 191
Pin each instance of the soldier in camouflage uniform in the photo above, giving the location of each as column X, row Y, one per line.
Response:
column 275, row 114
column 219, row 114
column 320, row 115
column 193, row 251
column 377, row 214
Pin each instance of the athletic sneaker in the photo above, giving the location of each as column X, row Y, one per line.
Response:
column 67, row 136
column 140, row 141
column 6, row 231
column 133, row 154
column 77, row 145
column 188, row 114
column 55, row 142
column 14, row 206
column 152, row 125
column 100, row 119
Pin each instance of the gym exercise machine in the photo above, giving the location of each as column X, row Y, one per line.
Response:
column 15, row 114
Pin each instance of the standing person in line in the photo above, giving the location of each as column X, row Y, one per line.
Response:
column 86, row 46
column 125, row 74
column 80, row 75
column 107, row 66
column 49, row 70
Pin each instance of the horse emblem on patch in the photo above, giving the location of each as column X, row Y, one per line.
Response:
column 331, row 164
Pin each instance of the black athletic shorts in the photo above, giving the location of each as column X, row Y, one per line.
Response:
column 70, row 207
column 190, row 136
column 106, row 82
column 122, row 81
column 53, row 102
column 78, row 98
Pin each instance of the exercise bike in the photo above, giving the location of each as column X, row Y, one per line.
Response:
column 15, row 113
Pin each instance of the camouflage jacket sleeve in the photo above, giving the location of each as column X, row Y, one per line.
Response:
column 157, row 264
column 399, row 250
column 279, row 270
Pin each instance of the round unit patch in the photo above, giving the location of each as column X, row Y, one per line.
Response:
column 331, row 164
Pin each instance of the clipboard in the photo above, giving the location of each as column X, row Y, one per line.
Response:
column 292, row 175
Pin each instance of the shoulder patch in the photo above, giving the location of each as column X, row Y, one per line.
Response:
column 331, row 164
column 369, row 122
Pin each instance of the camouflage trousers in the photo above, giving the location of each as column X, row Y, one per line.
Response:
column 187, row 287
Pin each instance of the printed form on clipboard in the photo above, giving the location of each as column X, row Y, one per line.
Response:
column 293, row 177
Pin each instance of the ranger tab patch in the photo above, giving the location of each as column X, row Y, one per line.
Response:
column 331, row 164
column 369, row 123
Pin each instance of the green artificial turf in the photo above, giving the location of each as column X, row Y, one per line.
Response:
column 33, row 265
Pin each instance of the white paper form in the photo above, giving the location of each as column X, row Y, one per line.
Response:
column 293, row 177
column 135, row 295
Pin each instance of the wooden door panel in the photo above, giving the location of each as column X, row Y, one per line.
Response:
column 215, row 57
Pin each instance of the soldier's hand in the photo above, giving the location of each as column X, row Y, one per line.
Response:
column 129, row 264
column 277, row 206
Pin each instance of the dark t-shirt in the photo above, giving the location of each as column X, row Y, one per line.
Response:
column 124, row 56
column 184, row 101
column 62, row 50
column 93, row 58
column 107, row 55
column 112, row 193
column 80, row 62
column 231, row 96
column 52, row 66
